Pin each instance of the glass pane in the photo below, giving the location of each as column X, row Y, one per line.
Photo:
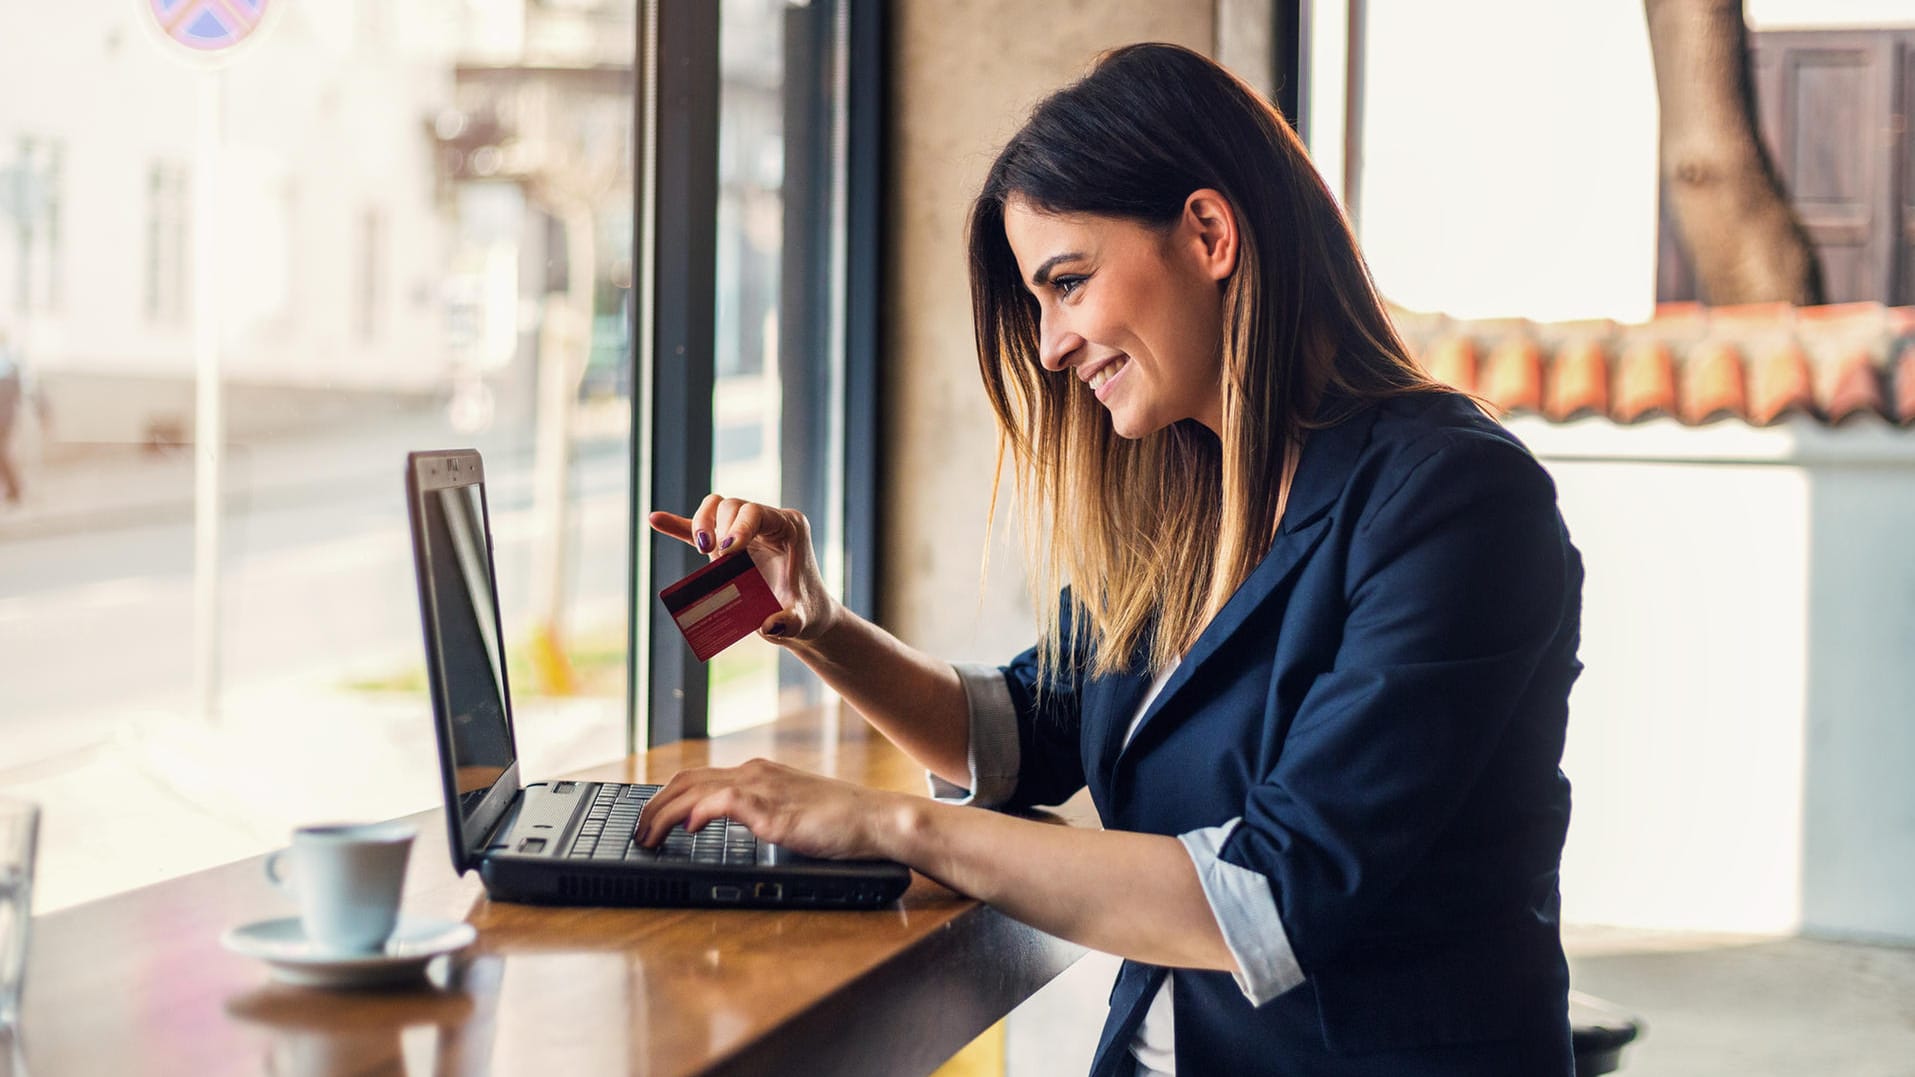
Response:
column 746, row 399
column 410, row 225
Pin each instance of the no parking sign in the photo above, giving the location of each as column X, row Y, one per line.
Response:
column 209, row 26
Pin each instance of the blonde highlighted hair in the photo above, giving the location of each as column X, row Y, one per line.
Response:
column 1152, row 536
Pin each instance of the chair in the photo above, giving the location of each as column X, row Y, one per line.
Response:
column 1598, row 1032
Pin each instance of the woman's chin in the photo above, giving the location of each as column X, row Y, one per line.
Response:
column 1132, row 427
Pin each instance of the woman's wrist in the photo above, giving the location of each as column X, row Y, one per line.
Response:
column 814, row 649
column 901, row 828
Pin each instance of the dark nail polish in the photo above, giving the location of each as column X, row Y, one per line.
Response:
column 775, row 630
column 704, row 541
column 726, row 545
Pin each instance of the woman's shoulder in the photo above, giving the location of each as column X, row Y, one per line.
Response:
column 1438, row 414
column 1439, row 436
column 1413, row 426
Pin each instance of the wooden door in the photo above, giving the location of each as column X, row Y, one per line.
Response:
column 1831, row 107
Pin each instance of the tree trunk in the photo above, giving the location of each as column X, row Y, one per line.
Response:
column 1745, row 241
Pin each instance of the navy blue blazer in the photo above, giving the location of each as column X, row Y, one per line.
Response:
column 1383, row 702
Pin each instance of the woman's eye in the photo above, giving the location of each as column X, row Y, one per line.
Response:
column 1067, row 286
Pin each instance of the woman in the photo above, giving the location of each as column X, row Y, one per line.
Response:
column 1316, row 638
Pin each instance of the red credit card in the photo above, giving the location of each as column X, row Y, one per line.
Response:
column 720, row 604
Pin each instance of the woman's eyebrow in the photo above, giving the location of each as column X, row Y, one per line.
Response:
column 1043, row 274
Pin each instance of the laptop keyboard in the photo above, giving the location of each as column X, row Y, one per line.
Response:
column 607, row 834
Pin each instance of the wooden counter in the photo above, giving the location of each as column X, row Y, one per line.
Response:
column 138, row 983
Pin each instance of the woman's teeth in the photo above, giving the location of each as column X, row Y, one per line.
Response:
column 1105, row 373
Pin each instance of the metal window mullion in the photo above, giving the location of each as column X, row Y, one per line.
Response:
column 864, row 256
column 682, row 294
column 806, row 288
column 638, row 673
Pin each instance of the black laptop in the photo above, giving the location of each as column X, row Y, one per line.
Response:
column 566, row 842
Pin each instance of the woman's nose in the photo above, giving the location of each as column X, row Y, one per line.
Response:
column 1055, row 345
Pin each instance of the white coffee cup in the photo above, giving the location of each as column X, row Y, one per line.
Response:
column 347, row 877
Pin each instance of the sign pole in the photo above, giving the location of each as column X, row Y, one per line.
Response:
column 206, row 34
column 209, row 434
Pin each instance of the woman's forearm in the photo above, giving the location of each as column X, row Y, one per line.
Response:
column 1133, row 895
column 915, row 700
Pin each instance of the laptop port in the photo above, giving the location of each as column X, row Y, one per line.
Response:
column 769, row 891
column 805, row 895
column 725, row 893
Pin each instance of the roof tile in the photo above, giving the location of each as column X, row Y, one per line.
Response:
column 1758, row 364
column 1711, row 384
column 1648, row 384
column 1579, row 384
column 1513, row 376
column 1782, row 384
column 1904, row 412
column 1857, row 389
column 1453, row 362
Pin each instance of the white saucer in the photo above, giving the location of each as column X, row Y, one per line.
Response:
column 295, row 959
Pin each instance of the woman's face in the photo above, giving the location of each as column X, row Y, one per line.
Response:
column 1135, row 311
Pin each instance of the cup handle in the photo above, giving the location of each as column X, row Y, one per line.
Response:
column 273, row 874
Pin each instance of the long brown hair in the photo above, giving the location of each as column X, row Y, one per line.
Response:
column 1152, row 536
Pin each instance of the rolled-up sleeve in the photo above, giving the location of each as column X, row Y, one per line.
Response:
column 993, row 753
column 1246, row 914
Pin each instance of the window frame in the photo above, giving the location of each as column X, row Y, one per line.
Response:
column 834, row 74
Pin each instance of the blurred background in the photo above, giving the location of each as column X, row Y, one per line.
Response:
column 238, row 283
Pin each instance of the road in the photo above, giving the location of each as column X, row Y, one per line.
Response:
column 318, row 580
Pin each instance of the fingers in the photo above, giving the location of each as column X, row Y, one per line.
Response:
column 687, row 799
column 746, row 524
column 665, row 523
column 661, row 813
column 705, row 523
column 721, row 523
column 784, row 625
column 696, row 797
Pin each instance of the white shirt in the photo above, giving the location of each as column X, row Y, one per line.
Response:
column 1155, row 1045
column 1240, row 899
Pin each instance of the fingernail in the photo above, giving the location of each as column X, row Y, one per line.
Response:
column 776, row 630
column 704, row 542
column 726, row 545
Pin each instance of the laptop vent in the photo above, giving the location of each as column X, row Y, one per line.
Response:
column 599, row 890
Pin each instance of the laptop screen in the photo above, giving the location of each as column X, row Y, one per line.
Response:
column 458, row 594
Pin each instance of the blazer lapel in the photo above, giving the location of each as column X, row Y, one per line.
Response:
column 1108, row 718
column 1328, row 456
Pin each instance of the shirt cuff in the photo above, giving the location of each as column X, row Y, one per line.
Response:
column 993, row 752
column 1246, row 913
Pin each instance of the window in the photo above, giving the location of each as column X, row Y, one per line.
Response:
column 762, row 350
column 32, row 186
column 440, row 223
column 395, row 183
column 167, row 224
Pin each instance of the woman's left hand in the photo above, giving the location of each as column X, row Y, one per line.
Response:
column 804, row 812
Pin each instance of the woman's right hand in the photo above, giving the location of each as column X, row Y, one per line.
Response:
column 780, row 544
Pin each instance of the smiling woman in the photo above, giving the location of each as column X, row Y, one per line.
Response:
column 1149, row 373
column 1314, row 637
column 1109, row 188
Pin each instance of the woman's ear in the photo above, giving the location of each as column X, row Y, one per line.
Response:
column 1211, row 224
